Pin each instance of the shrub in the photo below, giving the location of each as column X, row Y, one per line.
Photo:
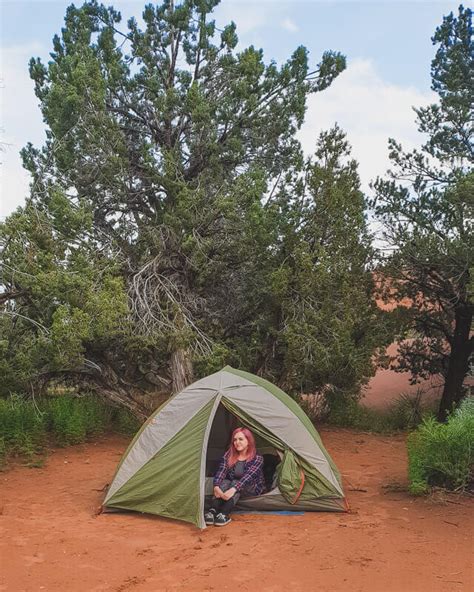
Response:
column 347, row 412
column 406, row 413
column 466, row 408
column 409, row 410
column 443, row 454
column 124, row 422
column 22, row 425
column 314, row 405
column 97, row 415
column 66, row 419
column 72, row 419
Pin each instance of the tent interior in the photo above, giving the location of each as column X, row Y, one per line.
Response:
column 219, row 439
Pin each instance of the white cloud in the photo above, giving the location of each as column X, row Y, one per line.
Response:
column 20, row 116
column 369, row 110
column 366, row 107
column 289, row 25
column 248, row 18
column 21, row 122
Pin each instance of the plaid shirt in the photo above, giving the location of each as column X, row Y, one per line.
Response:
column 252, row 482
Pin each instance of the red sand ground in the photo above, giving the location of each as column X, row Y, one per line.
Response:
column 389, row 542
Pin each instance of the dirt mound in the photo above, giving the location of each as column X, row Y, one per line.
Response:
column 389, row 541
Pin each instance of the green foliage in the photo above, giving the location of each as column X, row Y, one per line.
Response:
column 219, row 357
column 409, row 410
column 73, row 419
column 22, row 426
column 442, row 455
column 328, row 326
column 347, row 412
column 405, row 413
column 426, row 208
column 124, row 422
column 28, row 426
column 451, row 73
column 146, row 231
column 466, row 409
column 64, row 295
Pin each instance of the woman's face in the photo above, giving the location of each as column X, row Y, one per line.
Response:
column 240, row 442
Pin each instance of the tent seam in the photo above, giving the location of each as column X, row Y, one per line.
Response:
column 202, row 476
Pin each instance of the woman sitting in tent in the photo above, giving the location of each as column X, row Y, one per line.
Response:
column 240, row 473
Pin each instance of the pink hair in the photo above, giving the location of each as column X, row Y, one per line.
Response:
column 233, row 455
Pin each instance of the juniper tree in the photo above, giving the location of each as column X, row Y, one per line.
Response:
column 426, row 206
column 326, row 326
column 167, row 136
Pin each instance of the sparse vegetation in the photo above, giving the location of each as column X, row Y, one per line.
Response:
column 406, row 413
column 409, row 410
column 349, row 413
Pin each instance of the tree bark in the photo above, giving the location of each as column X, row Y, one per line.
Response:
column 458, row 364
column 181, row 369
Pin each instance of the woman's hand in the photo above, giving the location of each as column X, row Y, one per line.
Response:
column 229, row 493
column 218, row 492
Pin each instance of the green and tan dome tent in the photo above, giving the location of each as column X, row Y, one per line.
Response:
column 168, row 467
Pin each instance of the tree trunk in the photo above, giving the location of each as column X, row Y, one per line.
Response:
column 458, row 363
column 181, row 369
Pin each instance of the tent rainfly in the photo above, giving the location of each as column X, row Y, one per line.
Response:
column 168, row 467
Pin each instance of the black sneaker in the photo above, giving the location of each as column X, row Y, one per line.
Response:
column 209, row 517
column 222, row 520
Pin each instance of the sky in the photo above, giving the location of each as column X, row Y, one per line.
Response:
column 387, row 44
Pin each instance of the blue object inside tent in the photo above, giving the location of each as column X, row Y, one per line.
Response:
column 275, row 512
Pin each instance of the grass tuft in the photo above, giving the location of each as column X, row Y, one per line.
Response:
column 27, row 426
column 22, row 426
column 442, row 454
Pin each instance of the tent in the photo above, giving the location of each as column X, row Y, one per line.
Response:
column 168, row 467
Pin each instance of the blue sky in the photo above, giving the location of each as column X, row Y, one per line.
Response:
column 387, row 43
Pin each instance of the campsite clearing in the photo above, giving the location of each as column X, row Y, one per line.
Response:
column 389, row 541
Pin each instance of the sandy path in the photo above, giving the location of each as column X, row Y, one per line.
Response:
column 389, row 542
